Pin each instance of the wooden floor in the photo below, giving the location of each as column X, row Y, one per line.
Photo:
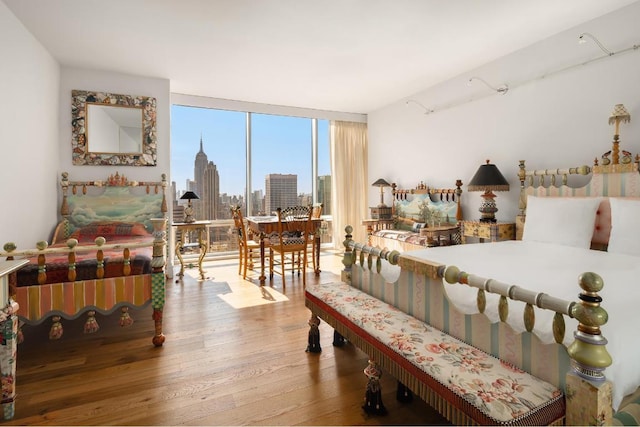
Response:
column 234, row 355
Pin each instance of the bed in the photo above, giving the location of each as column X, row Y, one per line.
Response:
column 517, row 299
column 421, row 217
column 107, row 254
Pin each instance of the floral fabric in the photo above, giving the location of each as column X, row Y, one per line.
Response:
column 499, row 390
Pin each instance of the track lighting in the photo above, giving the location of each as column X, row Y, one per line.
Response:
column 426, row 110
column 596, row 41
column 502, row 89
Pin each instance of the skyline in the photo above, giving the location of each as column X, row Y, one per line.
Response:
column 224, row 138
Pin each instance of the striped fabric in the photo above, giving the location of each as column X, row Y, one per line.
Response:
column 629, row 413
column 69, row 299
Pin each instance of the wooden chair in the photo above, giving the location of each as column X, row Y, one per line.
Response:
column 248, row 249
column 289, row 246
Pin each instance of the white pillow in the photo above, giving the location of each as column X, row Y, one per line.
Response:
column 567, row 221
column 625, row 233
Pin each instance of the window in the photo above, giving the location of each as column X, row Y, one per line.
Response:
column 212, row 150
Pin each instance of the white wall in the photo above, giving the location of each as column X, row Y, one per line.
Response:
column 558, row 120
column 29, row 81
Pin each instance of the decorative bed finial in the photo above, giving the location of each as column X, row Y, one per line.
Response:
column 117, row 180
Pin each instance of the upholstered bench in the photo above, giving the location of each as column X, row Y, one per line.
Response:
column 464, row 383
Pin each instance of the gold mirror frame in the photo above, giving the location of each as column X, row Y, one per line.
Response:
column 79, row 137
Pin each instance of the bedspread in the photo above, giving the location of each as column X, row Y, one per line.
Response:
column 57, row 265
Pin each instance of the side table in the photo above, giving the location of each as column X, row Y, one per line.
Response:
column 9, row 331
column 491, row 231
column 182, row 230
column 441, row 234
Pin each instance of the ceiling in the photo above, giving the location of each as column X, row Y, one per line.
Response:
column 339, row 55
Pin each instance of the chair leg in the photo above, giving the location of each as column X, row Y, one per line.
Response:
column 240, row 256
column 270, row 263
column 313, row 255
column 282, row 267
column 304, row 271
column 246, row 261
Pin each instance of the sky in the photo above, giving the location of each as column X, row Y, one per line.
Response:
column 280, row 144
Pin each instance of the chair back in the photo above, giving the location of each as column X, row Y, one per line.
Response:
column 317, row 211
column 294, row 226
column 238, row 219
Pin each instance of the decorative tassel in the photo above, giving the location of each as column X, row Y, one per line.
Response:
column 20, row 334
column 56, row 330
column 313, row 345
column 338, row 340
column 91, row 325
column 403, row 394
column 125, row 318
column 373, row 397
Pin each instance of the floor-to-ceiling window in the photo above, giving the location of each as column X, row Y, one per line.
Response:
column 257, row 161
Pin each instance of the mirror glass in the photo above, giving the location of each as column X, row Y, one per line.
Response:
column 112, row 129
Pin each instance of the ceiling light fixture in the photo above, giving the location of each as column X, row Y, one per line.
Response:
column 426, row 110
column 500, row 89
column 581, row 40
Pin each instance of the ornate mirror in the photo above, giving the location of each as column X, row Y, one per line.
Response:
column 112, row 129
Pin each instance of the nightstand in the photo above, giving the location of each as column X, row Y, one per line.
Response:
column 381, row 212
column 201, row 241
column 491, row 231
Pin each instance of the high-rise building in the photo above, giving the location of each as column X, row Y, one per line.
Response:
column 281, row 191
column 206, row 184
column 257, row 203
column 324, row 193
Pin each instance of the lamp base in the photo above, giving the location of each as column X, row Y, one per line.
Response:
column 488, row 207
column 488, row 219
column 188, row 214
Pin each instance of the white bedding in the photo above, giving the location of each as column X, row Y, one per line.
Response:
column 554, row 269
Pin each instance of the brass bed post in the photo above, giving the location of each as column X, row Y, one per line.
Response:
column 589, row 400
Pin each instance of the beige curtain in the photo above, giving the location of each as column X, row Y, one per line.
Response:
column 349, row 175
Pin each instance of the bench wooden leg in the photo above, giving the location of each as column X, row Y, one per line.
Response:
column 338, row 340
column 403, row 394
column 313, row 345
column 373, row 397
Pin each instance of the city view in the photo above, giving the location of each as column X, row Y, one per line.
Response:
column 209, row 157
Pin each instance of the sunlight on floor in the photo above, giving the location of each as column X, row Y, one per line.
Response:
column 246, row 294
column 242, row 293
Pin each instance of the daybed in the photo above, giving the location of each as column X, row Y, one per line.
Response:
column 421, row 217
column 107, row 253
column 512, row 300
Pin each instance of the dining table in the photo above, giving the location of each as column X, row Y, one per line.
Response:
column 263, row 226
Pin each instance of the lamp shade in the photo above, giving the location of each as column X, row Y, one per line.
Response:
column 381, row 183
column 189, row 195
column 488, row 178
column 619, row 113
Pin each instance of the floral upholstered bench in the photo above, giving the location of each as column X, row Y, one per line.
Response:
column 469, row 385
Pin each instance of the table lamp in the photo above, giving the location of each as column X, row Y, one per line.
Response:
column 188, row 210
column 619, row 114
column 488, row 179
column 381, row 183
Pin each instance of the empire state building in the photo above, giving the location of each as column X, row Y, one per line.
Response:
column 206, row 184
